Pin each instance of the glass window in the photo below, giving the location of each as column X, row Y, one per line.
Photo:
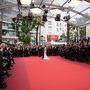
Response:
column 49, row 26
column 60, row 28
column 57, row 24
column 5, row 24
column 4, row 32
column 9, row 26
column 60, row 24
column 57, row 29
column 49, row 23
column 12, row 34
column 8, row 33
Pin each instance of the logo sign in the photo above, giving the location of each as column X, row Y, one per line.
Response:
column 52, row 37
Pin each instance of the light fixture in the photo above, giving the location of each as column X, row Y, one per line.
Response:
column 18, row 2
column 30, row 16
column 43, row 6
column 74, row 3
column 25, row 2
column 57, row 18
column 32, row 5
column 45, row 11
column 66, row 18
column 44, row 17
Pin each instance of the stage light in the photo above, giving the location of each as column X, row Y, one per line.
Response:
column 30, row 15
column 32, row 5
column 18, row 2
column 43, row 6
column 44, row 17
column 57, row 18
column 45, row 11
column 66, row 18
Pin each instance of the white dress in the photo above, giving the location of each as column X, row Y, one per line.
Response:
column 45, row 53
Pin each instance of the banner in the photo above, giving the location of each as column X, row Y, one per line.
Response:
column 52, row 37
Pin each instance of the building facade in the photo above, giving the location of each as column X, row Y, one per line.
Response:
column 52, row 30
column 88, row 29
column 6, row 14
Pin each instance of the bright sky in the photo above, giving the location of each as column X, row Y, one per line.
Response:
column 74, row 3
column 26, row 2
column 78, row 5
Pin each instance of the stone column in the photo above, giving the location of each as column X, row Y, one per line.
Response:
column 68, row 35
column 0, row 31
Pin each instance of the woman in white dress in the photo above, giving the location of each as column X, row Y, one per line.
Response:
column 45, row 53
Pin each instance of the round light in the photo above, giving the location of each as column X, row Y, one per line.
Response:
column 26, row 2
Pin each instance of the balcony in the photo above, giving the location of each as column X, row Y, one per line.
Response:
column 9, row 37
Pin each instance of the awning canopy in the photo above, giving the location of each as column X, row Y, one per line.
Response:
column 78, row 9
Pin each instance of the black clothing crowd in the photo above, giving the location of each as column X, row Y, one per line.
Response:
column 6, row 62
column 74, row 52
column 35, row 51
column 77, row 52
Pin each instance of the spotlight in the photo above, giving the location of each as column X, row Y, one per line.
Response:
column 44, row 17
column 43, row 6
column 18, row 2
column 30, row 15
column 45, row 11
column 66, row 18
column 32, row 5
column 57, row 18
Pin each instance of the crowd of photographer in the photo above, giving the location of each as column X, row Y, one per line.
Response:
column 72, row 51
column 75, row 52
column 6, row 62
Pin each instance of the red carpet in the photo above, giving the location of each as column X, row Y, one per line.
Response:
column 34, row 73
